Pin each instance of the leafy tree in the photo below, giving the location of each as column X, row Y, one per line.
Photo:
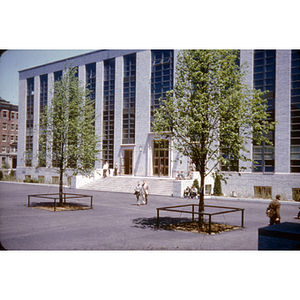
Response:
column 67, row 139
column 217, row 185
column 196, row 184
column 211, row 113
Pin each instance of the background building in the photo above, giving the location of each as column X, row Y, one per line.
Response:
column 127, row 86
column 9, row 134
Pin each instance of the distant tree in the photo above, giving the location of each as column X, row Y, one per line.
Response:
column 211, row 113
column 196, row 185
column 67, row 139
column 218, row 185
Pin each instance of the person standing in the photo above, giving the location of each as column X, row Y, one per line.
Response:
column 137, row 192
column 116, row 169
column 105, row 169
column 187, row 192
column 273, row 211
column 145, row 192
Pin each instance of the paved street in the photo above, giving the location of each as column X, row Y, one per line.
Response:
column 117, row 223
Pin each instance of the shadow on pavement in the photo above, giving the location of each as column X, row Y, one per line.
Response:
column 1, row 247
column 151, row 223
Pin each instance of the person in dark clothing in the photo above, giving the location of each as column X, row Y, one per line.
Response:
column 273, row 211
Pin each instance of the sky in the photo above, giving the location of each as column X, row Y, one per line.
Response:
column 213, row 24
column 12, row 61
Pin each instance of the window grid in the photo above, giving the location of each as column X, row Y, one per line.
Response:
column 161, row 77
column 43, row 92
column 264, row 79
column 108, row 111
column 57, row 75
column 295, row 111
column 29, row 121
column 129, row 99
column 43, row 103
column 91, row 79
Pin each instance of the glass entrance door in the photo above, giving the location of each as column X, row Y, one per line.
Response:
column 161, row 158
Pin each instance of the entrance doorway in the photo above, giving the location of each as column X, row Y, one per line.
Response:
column 14, row 162
column 127, row 162
column 161, row 158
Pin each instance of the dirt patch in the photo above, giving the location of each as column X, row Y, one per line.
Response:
column 63, row 207
column 194, row 227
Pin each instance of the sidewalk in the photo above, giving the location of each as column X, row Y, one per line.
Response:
column 117, row 223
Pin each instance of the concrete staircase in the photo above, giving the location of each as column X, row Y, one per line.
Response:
column 126, row 184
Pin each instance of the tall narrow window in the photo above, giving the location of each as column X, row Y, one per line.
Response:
column 43, row 92
column 29, row 121
column 264, row 79
column 161, row 77
column 91, row 79
column 129, row 99
column 108, row 111
column 43, row 103
column 57, row 75
column 295, row 112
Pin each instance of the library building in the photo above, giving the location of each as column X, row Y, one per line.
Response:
column 126, row 86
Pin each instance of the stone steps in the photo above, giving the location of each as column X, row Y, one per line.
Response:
column 126, row 184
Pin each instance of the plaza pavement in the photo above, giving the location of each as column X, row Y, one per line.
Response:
column 117, row 223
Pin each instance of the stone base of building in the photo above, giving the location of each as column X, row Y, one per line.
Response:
column 258, row 185
column 180, row 185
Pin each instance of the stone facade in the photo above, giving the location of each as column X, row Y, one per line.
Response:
column 142, row 161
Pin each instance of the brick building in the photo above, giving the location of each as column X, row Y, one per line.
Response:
column 9, row 134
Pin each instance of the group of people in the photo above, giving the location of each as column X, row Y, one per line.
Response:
column 106, row 169
column 142, row 190
column 190, row 193
column 273, row 210
column 182, row 176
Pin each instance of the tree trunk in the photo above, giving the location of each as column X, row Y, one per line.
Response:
column 61, row 188
column 201, row 194
column 61, row 173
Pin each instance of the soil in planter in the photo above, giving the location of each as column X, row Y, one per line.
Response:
column 64, row 207
column 194, row 227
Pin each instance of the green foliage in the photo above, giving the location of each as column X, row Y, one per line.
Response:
column 30, row 180
column 67, row 133
column 1, row 175
column 67, row 139
column 196, row 184
column 218, row 185
column 296, row 198
column 211, row 114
